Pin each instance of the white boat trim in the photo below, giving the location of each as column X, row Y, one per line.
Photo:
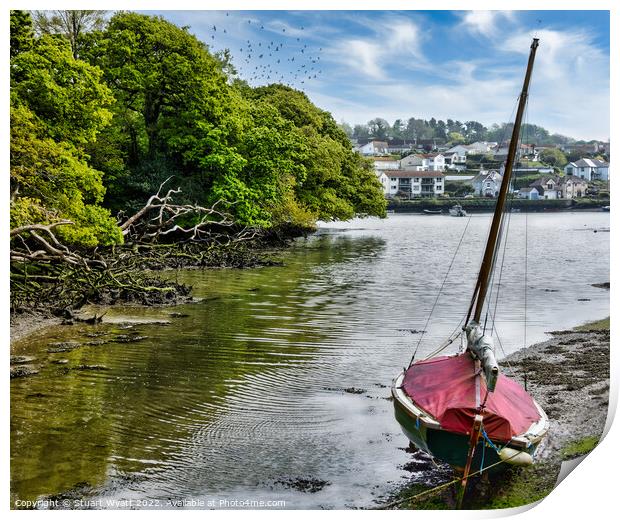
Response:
column 533, row 435
column 410, row 407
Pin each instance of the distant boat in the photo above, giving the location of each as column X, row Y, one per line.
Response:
column 605, row 208
column 460, row 408
column 458, row 211
column 431, row 211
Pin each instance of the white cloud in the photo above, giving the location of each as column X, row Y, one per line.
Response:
column 485, row 23
column 393, row 39
column 569, row 92
column 570, row 84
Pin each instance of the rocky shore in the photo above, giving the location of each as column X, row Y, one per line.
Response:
column 568, row 375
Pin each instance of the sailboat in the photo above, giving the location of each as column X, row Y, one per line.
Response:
column 460, row 408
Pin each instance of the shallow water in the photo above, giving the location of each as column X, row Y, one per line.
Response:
column 283, row 373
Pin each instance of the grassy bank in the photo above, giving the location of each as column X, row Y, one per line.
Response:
column 594, row 325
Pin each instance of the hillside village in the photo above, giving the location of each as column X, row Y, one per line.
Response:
column 412, row 169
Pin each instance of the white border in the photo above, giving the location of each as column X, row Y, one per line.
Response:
column 587, row 492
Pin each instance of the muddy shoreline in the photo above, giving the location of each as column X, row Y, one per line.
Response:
column 568, row 375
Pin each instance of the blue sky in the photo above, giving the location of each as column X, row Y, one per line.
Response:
column 446, row 64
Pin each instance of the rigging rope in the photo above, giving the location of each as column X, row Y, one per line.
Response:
column 441, row 486
column 439, row 294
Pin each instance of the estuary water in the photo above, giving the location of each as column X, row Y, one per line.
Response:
column 274, row 387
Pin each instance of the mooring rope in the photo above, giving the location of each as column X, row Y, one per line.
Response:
column 441, row 486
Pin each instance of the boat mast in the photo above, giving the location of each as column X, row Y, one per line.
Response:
column 487, row 263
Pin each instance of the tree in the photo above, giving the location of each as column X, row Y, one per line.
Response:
column 456, row 138
column 378, row 128
column 70, row 24
column 51, row 182
column 335, row 182
column 553, row 157
column 475, row 131
column 361, row 132
column 66, row 94
column 22, row 34
column 58, row 106
column 346, row 128
column 398, row 129
column 440, row 129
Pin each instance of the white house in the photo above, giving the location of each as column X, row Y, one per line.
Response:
column 414, row 183
column 460, row 150
column 453, row 161
column 386, row 163
column 588, row 169
column 373, row 148
column 480, row 147
column 548, row 188
column 424, row 162
column 412, row 162
column 487, row 183
column 384, row 180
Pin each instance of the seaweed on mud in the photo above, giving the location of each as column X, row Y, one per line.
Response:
column 303, row 484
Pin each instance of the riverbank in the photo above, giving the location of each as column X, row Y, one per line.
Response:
column 568, row 375
column 485, row 205
column 131, row 275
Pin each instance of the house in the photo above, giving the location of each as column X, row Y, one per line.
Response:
column 373, row 148
column 386, row 163
column 528, row 193
column 551, row 187
column 461, row 151
column 500, row 151
column 572, row 187
column 487, row 183
column 384, row 180
column 480, row 147
column 548, row 187
column 400, row 145
column 583, row 148
column 588, row 169
column 424, row 161
column 453, row 161
column 414, row 183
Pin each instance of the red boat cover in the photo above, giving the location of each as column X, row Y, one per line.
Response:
column 448, row 389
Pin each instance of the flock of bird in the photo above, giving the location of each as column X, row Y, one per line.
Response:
column 266, row 60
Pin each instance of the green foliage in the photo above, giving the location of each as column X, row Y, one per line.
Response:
column 553, row 157
column 51, row 180
column 70, row 24
column 22, row 34
column 456, row 138
column 146, row 101
column 58, row 105
column 65, row 94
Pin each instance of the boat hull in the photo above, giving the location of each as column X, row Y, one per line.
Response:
column 451, row 448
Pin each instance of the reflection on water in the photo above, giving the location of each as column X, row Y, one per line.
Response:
column 281, row 373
